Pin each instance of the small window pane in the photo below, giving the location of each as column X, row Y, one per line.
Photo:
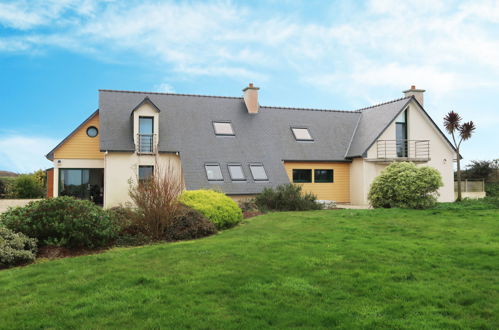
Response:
column 92, row 131
column 302, row 176
column 236, row 172
column 402, row 117
column 214, row 173
column 145, row 172
column 223, row 128
column 302, row 134
column 324, row 176
column 258, row 173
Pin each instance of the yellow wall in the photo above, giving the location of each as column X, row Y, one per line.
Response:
column 81, row 146
column 338, row 191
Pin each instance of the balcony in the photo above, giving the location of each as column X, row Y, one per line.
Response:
column 146, row 144
column 402, row 150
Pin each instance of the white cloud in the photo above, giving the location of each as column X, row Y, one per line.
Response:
column 164, row 88
column 25, row 154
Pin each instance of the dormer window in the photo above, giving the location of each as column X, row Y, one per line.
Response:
column 146, row 134
column 301, row 134
column 223, row 128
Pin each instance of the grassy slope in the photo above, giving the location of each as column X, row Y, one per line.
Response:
column 381, row 268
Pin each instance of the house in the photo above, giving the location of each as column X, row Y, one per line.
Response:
column 240, row 147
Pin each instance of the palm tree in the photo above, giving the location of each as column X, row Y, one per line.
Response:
column 452, row 123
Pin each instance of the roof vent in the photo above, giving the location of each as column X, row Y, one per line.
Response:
column 417, row 93
column 251, row 99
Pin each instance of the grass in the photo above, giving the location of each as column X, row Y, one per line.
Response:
column 394, row 268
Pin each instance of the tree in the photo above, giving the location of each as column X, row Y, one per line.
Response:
column 452, row 123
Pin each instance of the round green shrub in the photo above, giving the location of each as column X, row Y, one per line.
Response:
column 15, row 248
column 26, row 186
column 217, row 207
column 62, row 221
column 405, row 185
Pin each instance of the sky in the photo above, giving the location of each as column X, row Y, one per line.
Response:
column 55, row 55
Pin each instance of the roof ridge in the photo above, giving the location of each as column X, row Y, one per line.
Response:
column 308, row 109
column 384, row 103
column 172, row 94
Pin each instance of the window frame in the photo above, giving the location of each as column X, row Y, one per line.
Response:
column 323, row 169
column 221, row 173
column 152, row 125
column 303, row 169
column 223, row 122
column 264, row 171
column 144, row 166
column 92, row 127
column 242, row 171
column 302, row 140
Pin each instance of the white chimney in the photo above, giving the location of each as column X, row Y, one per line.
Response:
column 251, row 99
column 417, row 93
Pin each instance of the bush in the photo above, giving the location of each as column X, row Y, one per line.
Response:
column 492, row 189
column 248, row 205
column 62, row 221
column 287, row 197
column 128, row 226
column 15, row 248
column 405, row 185
column 190, row 224
column 3, row 188
column 26, row 186
column 217, row 207
column 157, row 199
column 486, row 203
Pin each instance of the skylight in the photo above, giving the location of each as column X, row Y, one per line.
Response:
column 223, row 128
column 213, row 172
column 302, row 134
column 258, row 172
column 236, row 172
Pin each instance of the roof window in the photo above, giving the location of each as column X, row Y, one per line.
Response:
column 301, row 134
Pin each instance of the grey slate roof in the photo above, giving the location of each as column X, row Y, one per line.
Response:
column 186, row 127
column 372, row 124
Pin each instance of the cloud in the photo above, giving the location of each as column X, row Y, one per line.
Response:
column 25, row 154
column 164, row 88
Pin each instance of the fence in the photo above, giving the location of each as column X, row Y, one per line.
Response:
column 471, row 186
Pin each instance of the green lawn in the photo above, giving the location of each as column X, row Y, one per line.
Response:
column 352, row 269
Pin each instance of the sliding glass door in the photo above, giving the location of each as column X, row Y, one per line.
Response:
column 87, row 183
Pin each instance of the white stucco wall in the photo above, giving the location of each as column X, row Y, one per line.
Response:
column 121, row 170
column 419, row 127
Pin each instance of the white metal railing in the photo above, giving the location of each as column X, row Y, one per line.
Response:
column 410, row 149
column 146, row 144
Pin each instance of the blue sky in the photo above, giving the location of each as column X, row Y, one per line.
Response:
column 55, row 55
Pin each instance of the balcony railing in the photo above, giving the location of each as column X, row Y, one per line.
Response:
column 146, row 143
column 411, row 150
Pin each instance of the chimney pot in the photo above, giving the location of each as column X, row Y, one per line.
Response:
column 417, row 93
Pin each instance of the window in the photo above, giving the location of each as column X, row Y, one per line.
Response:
column 323, row 176
column 302, row 176
column 145, row 172
column 92, row 131
column 401, row 134
column 223, row 128
column 301, row 134
column 236, row 172
column 258, row 172
column 146, row 134
column 213, row 172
